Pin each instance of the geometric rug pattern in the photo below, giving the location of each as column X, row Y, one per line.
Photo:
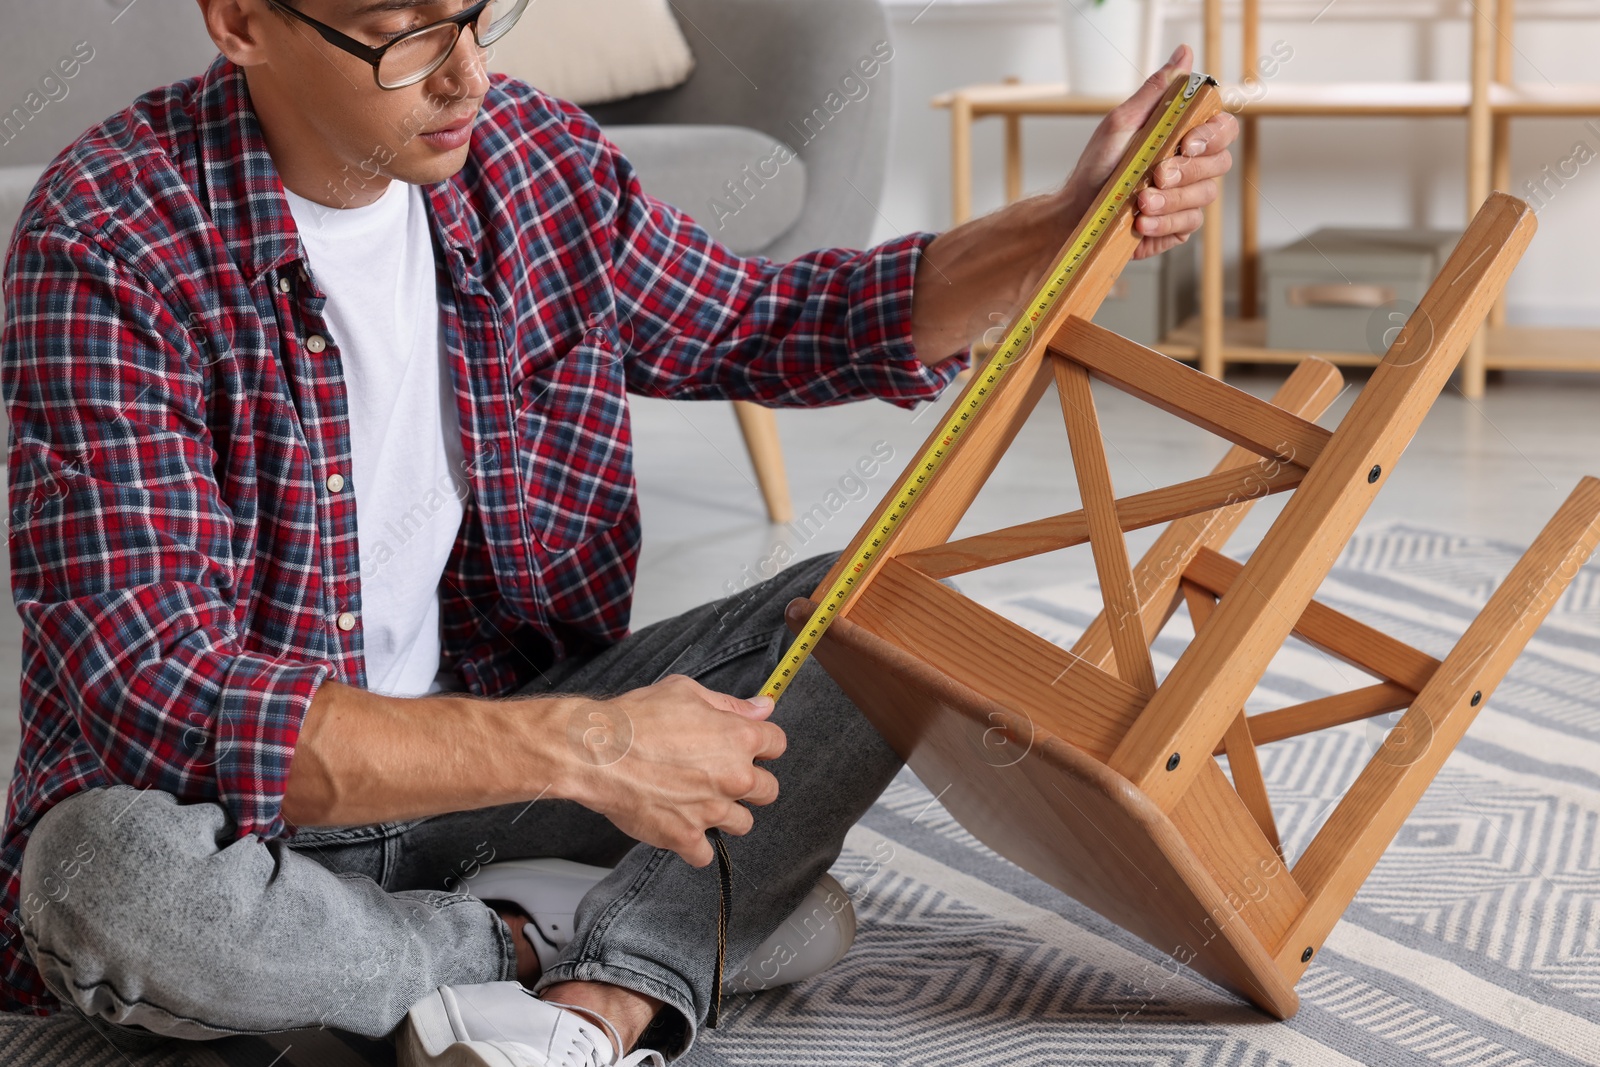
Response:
column 1476, row 941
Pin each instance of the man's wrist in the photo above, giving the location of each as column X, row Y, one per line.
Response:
column 1054, row 217
column 551, row 739
column 1073, row 200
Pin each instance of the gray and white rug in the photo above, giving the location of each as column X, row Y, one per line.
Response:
column 1475, row 942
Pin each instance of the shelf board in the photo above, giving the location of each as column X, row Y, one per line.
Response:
column 1545, row 100
column 1543, row 348
column 1026, row 99
column 1331, row 99
column 1245, row 341
column 1354, row 99
column 1509, row 347
column 1351, row 99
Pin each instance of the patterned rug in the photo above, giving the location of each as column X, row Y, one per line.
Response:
column 1475, row 942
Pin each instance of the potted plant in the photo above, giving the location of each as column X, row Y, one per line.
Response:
column 1107, row 45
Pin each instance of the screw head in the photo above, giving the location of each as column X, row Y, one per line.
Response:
column 1477, row 698
column 1172, row 761
column 1375, row 473
column 1305, row 957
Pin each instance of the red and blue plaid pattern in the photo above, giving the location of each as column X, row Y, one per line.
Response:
column 179, row 557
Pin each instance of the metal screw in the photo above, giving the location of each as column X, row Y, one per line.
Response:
column 1305, row 957
column 1477, row 698
column 1172, row 761
column 1375, row 473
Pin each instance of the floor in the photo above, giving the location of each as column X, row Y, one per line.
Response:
column 1496, row 467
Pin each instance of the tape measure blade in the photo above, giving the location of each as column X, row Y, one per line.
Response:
column 1184, row 105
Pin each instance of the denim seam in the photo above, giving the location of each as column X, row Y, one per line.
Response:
column 37, row 951
column 345, row 835
column 387, row 860
column 609, row 916
column 639, row 982
column 508, row 950
column 727, row 653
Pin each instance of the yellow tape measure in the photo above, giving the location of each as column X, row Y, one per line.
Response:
column 1010, row 350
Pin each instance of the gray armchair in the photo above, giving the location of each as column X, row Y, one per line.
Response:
column 764, row 73
column 769, row 71
column 769, row 66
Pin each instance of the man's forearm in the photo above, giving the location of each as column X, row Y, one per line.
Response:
column 974, row 277
column 363, row 757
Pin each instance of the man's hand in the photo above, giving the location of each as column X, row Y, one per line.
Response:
column 667, row 762
column 979, row 274
column 664, row 763
column 1182, row 187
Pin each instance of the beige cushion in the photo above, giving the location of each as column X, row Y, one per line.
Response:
column 592, row 51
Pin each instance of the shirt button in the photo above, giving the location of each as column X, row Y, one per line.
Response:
column 284, row 285
column 335, row 482
column 315, row 343
column 347, row 621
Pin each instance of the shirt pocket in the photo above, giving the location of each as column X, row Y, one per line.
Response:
column 574, row 446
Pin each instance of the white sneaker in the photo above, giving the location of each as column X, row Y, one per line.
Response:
column 501, row 1024
column 810, row 941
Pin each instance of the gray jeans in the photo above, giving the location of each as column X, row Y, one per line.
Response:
column 168, row 928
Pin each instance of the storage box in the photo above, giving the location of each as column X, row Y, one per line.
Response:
column 1348, row 290
column 1152, row 296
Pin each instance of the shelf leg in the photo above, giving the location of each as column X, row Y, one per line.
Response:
column 960, row 159
column 1480, row 117
column 1013, row 152
column 1500, row 178
column 1500, row 147
column 1211, row 263
column 1211, row 281
column 1480, row 165
column 1250, row 171
column 1249, row 218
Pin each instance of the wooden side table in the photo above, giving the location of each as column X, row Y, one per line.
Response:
column 1487, row 103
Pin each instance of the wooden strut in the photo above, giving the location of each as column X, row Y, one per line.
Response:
column 1087, row 767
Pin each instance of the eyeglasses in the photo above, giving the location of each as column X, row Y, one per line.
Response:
column 415, row 54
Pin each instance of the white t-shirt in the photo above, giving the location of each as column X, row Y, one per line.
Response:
column 376, row 265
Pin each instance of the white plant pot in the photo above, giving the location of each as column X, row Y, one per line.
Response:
column 1105, row 45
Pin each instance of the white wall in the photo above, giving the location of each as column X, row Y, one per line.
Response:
column 1316, row 172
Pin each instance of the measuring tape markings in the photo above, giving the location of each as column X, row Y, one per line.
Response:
column 1010, row 350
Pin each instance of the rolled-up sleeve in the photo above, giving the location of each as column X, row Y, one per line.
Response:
column 124, row 569
column 697, row 321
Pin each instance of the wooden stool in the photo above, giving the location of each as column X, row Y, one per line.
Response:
column 1080, row 767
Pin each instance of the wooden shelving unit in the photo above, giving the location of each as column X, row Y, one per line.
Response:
column 1489, row 103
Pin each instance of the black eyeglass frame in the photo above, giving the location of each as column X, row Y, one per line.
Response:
column 374, row 56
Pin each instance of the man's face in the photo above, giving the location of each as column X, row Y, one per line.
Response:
column 336, row 137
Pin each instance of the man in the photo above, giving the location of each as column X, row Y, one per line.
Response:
column 282, row 769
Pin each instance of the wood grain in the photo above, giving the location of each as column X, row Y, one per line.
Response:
column 1320, row 714
column 1074, row 700
column 1332, row 631
column 1246, row 420
column 1347, row 847
column 1310, row 388
column 1225, row 489
column 1055, row 810
column 1191, row 710
column 1105, row 532
column 1240, row 748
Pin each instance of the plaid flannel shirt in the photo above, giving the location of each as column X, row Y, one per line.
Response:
column 181, row 555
